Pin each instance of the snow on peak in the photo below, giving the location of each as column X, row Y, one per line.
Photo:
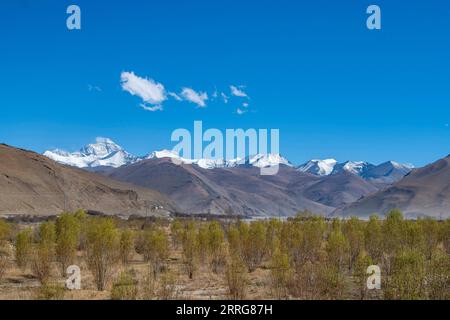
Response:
column 355, row 167
column 104, row 152
column 319, row 167
column 268, row 160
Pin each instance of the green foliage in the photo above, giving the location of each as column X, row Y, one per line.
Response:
column 44, row 252
column 102, row 249
column 190, row 250
column 353, row 230
column 125, row 288
column 236, row 278
column 68, row 230
column 438, row 276
column 406, row 281
column 176, row 231
column 373, row 238
column 155, row 248
column 363, row 261
column 281, row 274
column 217, row 250
column 126, row 245
column 5, row 230
column 24, row 244
column 338, row 249
column 52, row 291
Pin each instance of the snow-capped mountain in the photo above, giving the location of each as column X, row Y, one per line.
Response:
column 385, row 173
column 106, row 153
column 103, row 153
column 259, row 160
column 318, row 167
column 356, row 167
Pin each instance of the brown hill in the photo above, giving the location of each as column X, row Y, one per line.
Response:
column 33, row 184
column 424, row 192
column 242, row 190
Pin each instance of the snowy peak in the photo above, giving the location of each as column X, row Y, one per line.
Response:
column 385, row 173
column 318, row 167
column 259, row 161
column 356, row 167
column 267, row 160
column 104, row 152
column 101, row 148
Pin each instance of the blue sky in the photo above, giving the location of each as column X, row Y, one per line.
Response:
column 311, row 69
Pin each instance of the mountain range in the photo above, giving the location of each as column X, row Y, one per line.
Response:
column 103, row 177
column 32, row 184
column 105, row 153
column 235, row 186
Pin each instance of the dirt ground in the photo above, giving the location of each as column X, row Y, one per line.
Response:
column 22, row 285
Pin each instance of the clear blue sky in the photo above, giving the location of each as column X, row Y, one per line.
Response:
column 311, row 69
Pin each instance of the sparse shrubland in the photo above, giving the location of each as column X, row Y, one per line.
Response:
column 306, row 257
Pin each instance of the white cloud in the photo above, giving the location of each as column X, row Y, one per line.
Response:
column 94, row 88
column 151, row 108
column 198, row 98
column 239, row 111
column 150, row 91
column 224, row 97
column 238, row 92
column 245, row 104
column 175, row 96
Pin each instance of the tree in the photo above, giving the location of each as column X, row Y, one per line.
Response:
column 125, row 288
column 406, row 281
column 68, row 230
column 353, row 230
column 24, row 243
column 281, row 274
column 438, row 276
column 5, row 230
column 102, row 248
column 216, row 247
column 363, row 261
column 156, row 248
column 393, row 237
column 190, row 250
column 44, row 252
column 126, row 245
column 236, row 278
column 373, row 238
column 431, row 234
column 338, row 250
column 176, row 231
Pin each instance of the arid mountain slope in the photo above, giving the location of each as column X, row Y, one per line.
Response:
column 242, row 190
column 425, row 191
column 33, row 184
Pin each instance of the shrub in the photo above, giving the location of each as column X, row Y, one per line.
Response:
column 360, row 273
column 51, row 292
column 438, row 276
column 281, row 274
column 68, row 230
column 236, row 278
column 44, row 252
column 102, row 248
column 155, row 246
column 126, row 245
column 167, row 289
column 125, row 288
column 4, row 261
column 406, row 281
column 190, row 250
column 24, row 243
column 373, row 238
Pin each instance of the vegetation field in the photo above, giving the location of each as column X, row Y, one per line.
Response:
column 306, row 257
